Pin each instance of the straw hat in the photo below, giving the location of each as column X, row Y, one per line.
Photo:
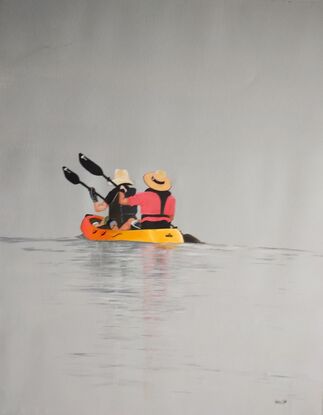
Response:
column 157, row 180
column 121, row 176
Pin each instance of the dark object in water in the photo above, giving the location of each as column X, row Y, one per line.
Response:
column 188, row 238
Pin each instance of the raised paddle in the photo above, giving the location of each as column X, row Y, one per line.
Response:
column 74, row 178
column 93, row 168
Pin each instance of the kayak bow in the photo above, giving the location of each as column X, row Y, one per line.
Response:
column 94, row 233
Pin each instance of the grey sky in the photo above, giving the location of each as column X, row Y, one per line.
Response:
column 227, row 96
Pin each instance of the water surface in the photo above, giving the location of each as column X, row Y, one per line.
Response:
column 125, row 328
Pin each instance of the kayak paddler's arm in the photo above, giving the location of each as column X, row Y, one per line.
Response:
column 123, row 200
column 100, row 206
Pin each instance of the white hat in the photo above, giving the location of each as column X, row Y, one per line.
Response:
column 121, row 176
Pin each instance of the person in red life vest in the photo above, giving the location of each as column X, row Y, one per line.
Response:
column 156, row 203
column 120, row 217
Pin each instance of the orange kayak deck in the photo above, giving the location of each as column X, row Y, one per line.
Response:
column 94, row 233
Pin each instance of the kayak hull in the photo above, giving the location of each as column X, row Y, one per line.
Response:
column 94, row 233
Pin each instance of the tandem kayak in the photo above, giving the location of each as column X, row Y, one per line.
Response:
column 94, row 233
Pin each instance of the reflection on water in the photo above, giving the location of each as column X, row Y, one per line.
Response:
column 125, row 328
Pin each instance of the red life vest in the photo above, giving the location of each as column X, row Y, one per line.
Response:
column 155, row 206
column 163, row 196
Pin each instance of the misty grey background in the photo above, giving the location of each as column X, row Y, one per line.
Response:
column 226, row 96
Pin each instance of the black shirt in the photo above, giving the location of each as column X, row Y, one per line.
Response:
column 111, row 195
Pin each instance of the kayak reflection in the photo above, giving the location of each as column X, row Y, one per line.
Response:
column 142, row 271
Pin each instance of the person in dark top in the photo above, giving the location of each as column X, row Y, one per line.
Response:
column 156, row 203
column 120, row 217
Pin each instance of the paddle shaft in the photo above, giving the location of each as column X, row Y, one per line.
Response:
column 109, row 180
column 88, row 188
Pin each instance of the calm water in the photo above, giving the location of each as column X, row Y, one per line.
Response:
column 122, row 329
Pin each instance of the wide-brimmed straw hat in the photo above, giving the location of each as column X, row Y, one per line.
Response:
column 121, row 176
column 157, row 180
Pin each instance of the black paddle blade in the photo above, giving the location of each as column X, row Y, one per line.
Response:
column 90, row 166
column 71, row 176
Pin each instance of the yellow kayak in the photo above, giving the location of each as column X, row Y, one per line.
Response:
column 94, row 233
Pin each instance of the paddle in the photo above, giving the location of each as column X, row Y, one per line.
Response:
column 73, row 178
column 93, row 168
